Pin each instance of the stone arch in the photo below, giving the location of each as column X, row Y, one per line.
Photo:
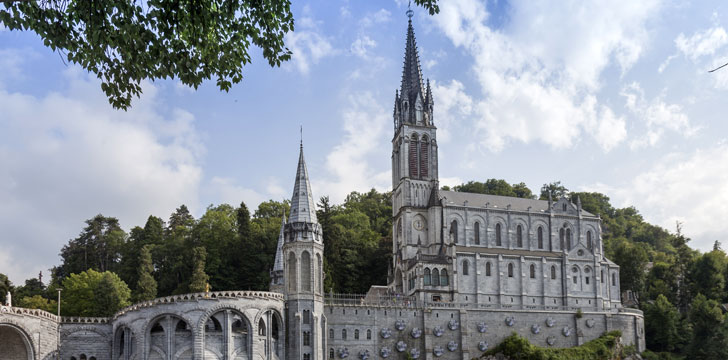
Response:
column 120, row 340
column 278, row 341
column 15, row 329
column 245, row 344
column 306, row 271
column 292, row 265
column 148, row 346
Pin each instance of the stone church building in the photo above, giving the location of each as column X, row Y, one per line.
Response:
column 466, row 271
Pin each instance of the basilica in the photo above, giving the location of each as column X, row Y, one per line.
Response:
column 466, row 271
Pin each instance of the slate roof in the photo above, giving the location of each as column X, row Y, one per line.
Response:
column 278, row 262
column 495, row 201
column 303, row 208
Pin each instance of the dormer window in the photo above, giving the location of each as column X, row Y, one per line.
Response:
column 563, row 206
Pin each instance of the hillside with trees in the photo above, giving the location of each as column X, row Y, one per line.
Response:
column 679, row 289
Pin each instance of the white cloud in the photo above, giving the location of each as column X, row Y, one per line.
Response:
column 452, row 102
column 702, row 43
column 362, row 46
column 542, row 72
column 229, row 192
column 67, row 157
column 365, row 121
column 307, row 45
column 658, row 116
column 378, row 17
column 690, row 188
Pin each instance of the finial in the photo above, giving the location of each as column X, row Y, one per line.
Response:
column 301, row 136
column 409, row 12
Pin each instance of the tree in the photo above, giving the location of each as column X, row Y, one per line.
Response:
column 198, row 282
column 708, row 277
column 5, row 287
column 661, row 325
column 710, row 339
column 146, row 288
column 555, row 189
column 496, row 187
column 37, row 302
column 93, row 293
column 124, row 42
column 97, row 247
column 632, row 259
column 243, row 221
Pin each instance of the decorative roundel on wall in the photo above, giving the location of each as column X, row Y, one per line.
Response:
column 482, row 327
column 535, row 328
column 385, row 352
column 416, row 333
column 510, row 321
column 437, row 331
column 590, row 323
column 550, row 340
column 364, row 354
column 401, row 346
column 343, row 353
column 566, row 331
column 483, row 345
column 452, row 346
column 453, row 324
column 580, row 252
column 550, row 322
column 386, row 333
column 399, row 325
column 415, row 353
column 438, row 350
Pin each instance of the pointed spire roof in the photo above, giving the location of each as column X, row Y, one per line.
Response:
column 303, row 208
column 411, row 72
column 278, row 263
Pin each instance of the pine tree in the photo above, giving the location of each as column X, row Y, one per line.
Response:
column 146, row 285
column 198, row 283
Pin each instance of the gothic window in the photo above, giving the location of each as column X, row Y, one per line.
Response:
column 498, row 235
column 307, row 317
column 476, row 231
column 331, row 334
column 587, row 280
column 601, row 276
column 568, row 239
column 356, row 334
column 510, row 270
column 533, row 271
column 561, row 237
column 369, row 334
column 519, row 236
column 465, row 267
column 444, row 279
column 413, row 157
column 83, row 357
column 319, row 274
column 291, row 272
column 424, row 146
column 614, row 279
column 306, row 271
column 454, row 231
column 261, row 328
column 540, row 237
column 553, row 272
column 588, row 240
column 487, row 269
column 435, row 277
column 306, row 338
column 306, row 356
column 331, row 354
column 343, row 334
column 427, row 277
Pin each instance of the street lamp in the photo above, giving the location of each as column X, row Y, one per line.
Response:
column 58, row 343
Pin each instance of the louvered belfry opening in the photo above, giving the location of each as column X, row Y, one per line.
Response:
column 413, row 173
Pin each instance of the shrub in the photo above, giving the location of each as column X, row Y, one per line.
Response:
column 516, row 347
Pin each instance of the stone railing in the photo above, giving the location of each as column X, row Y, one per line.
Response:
column 84, row 320
column 27, row 312
column 630, row 311
column 371, row 300
column 200, row 296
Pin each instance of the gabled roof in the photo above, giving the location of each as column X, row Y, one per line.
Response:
column 303, row 208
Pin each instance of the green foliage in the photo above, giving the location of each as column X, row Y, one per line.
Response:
column 708, row 275
column 93, row 293
column 579, row 314
column 662, row 322
column 710, row 330
column 198, row 283
column 516, row 347
column 555, row 189
column 146, row 288
column 5, row 286
column 98, row 247
column 632, row 259
column 38, row 302
column 496, row 187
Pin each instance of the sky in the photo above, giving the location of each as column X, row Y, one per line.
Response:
column 613, row 97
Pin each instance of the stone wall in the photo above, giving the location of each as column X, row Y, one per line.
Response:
column 36, row 329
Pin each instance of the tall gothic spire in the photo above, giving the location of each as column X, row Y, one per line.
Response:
column 278, row 263
column 411, row 72
column 303, row 208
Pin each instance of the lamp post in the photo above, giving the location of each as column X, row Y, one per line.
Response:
column 58, row 343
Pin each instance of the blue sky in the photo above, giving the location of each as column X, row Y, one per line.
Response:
column 604, row 96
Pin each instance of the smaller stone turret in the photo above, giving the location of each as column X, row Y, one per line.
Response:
column 276, row 275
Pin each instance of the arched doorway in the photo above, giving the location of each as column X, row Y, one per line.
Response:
column 227, row 335
column 15, row 344
column 169, row 336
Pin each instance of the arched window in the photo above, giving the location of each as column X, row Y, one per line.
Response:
column 540, row 237
column 553, row 272
column 614, row 279
column 331, row 354
column 601, row 276
column 533, row 271
column 588, row 240
column 413, row 161
column 444, row 279
column 331, row 334
column 510, row 270
column 307, row 317
column 356, row 334
column 435, row 277
column 487, row 268
column 563, row 206
column 343, row 334
column 427, row 277
column 319, row 274
column 83, row 357
column 291, row 272
column 305, row 271
column 476, row 231
column 369, row 334
column 561, row 237
column 465, row 268
column 498, row 241
column 424, row 152
column 568, row 239
column 519, row 236
column 306, row 338
column 454, row 231
column 261, row 328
